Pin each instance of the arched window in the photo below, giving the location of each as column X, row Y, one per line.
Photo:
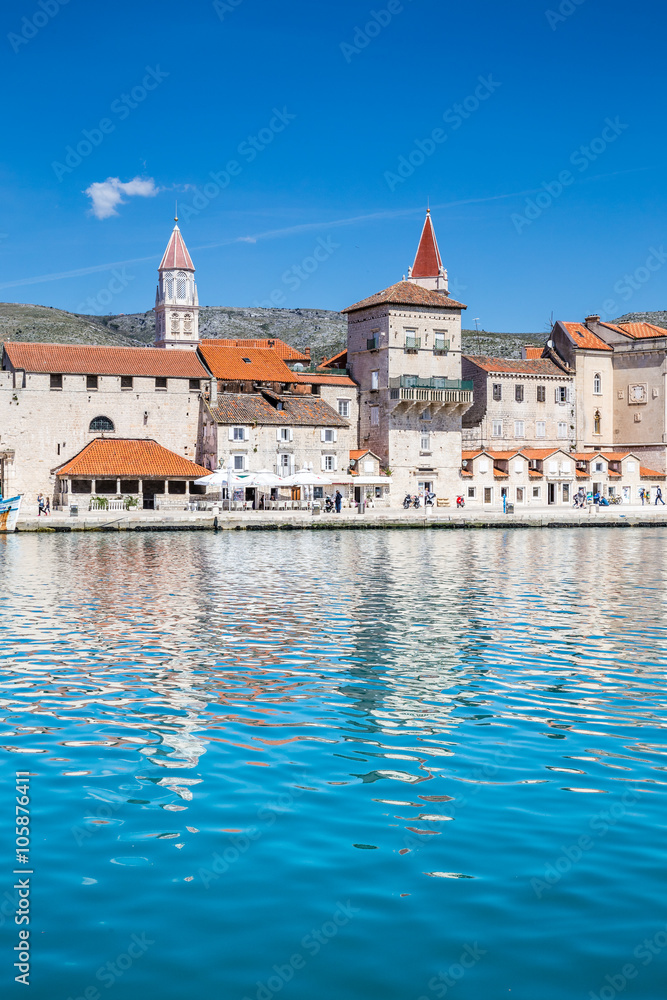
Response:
column 597, row 384
column 101, row 424
column 597, row 420
column 169, row 288
column 180, row 285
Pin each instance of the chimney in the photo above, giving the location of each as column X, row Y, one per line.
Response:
column 213, row 396
column 591, row 319
column 306, row 351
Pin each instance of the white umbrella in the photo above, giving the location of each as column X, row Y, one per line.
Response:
column 304, row 477
column 266, row 478
column 221, row 478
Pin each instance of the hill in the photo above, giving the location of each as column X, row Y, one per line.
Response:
column 322, row 330
column 658, row 318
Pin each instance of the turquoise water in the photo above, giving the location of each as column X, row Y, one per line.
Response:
column 393, row 765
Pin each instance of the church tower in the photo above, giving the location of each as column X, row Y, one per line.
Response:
column 427, row 269
column 176, row 300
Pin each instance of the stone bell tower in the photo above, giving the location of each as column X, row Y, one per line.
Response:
column 176, row 300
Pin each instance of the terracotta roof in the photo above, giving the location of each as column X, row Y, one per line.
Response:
column 613, row 456
column 465, row 472
column 468, row 455
column 504, row 455
column 533, row 353
column 226, row 362
column 314, row 378
column 176, row 255
column 336, row 361
column 582, row 474
column 581, row 336
column 539, row 453
column 428, row 262
column 611, row 472
column 358, row 453
column 639, row 331
column 534, row 474
column 84, row 360
column 500, row 475
column 255, row 408
column 283, row 350
column 518, row 366
column 128, row 457
column 650, row 473
column 406, row 293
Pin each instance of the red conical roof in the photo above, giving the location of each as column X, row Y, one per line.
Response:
column 176, row 255
column 428, row 261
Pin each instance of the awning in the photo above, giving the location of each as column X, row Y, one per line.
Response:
column 362, row 480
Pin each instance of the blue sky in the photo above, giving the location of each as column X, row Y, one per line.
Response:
column 546, row 184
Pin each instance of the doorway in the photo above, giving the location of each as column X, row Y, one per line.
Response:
column 552, row 493
column 151, row 489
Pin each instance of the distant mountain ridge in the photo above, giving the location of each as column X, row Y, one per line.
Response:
column 322, row 330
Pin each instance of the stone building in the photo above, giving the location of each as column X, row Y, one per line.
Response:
column 404, row 353
column 57, row 398
column 176, row 299
column 529, row 402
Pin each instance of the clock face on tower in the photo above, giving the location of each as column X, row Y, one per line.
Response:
column 638, row 393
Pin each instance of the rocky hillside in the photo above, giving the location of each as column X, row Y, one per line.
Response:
column 657, row 318
column 320, row 329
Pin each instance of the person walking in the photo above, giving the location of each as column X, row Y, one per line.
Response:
column 642, row 495
column 339, row 501
column 47, row 507
column 658, row 498
column 40, row 505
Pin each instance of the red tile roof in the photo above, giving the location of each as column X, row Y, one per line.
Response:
column 640, row 331
column 315, row 378
column 115, row 457
column 518, row 366
column 469, row 455
column 428, row 262
column 500, row 475
column 533, row 353
column 283, row 350
column 337, row 361
column 406, row 293
column 78, row 359
column 650, row 473
column 534, row 474
column 176, row 255
column 226, row 362
column 581, row 336
column 255, row 408
column 539, row 454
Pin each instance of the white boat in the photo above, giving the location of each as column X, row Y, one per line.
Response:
column 9, row 513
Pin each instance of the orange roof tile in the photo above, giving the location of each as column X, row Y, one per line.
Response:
column 406, row 293
column 139, row 459
column 611, row 472
column 612, row 456
column 358, row 453
column 468, row 455
column 539, row 453
column 640, row 331
column 582, row 474
column 534, row 474
column 335, row 361
column 504, row 455
column 79, row 359
column 314, row 378
column 533, row 353
column 283, row 350
column 226, row 361
column 500, row 475
column 650, row 473
column 519, row 366
column 581, row 336
column 465, row 472
column 256, row 408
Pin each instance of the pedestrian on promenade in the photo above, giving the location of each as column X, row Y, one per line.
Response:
column 596, row 499
column 47, row 507
column 658, row 497
column 642, row 495
column 339, row 501
column 40, row 505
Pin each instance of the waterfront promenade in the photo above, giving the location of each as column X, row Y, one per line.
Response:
column 530, row 517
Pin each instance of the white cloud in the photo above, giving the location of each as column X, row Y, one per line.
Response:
column 106, row 195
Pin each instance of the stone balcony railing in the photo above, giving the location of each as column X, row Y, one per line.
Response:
column 409, row 388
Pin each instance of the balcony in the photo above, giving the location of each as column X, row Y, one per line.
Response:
column 412, row 344
column 440, row 346
column 410, row 388
column 372, row 343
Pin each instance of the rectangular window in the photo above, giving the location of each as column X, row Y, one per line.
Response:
column 471, row 492
column 497, row 430
column 55, row 381
column 562, row 429
column 195, row 385
column 541, row 393
column 599, row 467
column 412, row 341
column 566, row 492
column 160, row 383
column 344, row 407
column 239, row 463
column 425, row 444
column 537, row 492
column 129, row 486
column 372, row 343
column 440, row 343
column 91, row 381
column 329, row 435
column 540, row 428
column 284, row 464
column 497, row 391
column 518, row 393
column 519, row 427
column 329, row 463
column 519, row 494
column 177, row 487
column 284, row 434
column 126, row 381
column 375, row 380
column 81, row 486
column 238, row 433
column 375, row 416
column 561, row 394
